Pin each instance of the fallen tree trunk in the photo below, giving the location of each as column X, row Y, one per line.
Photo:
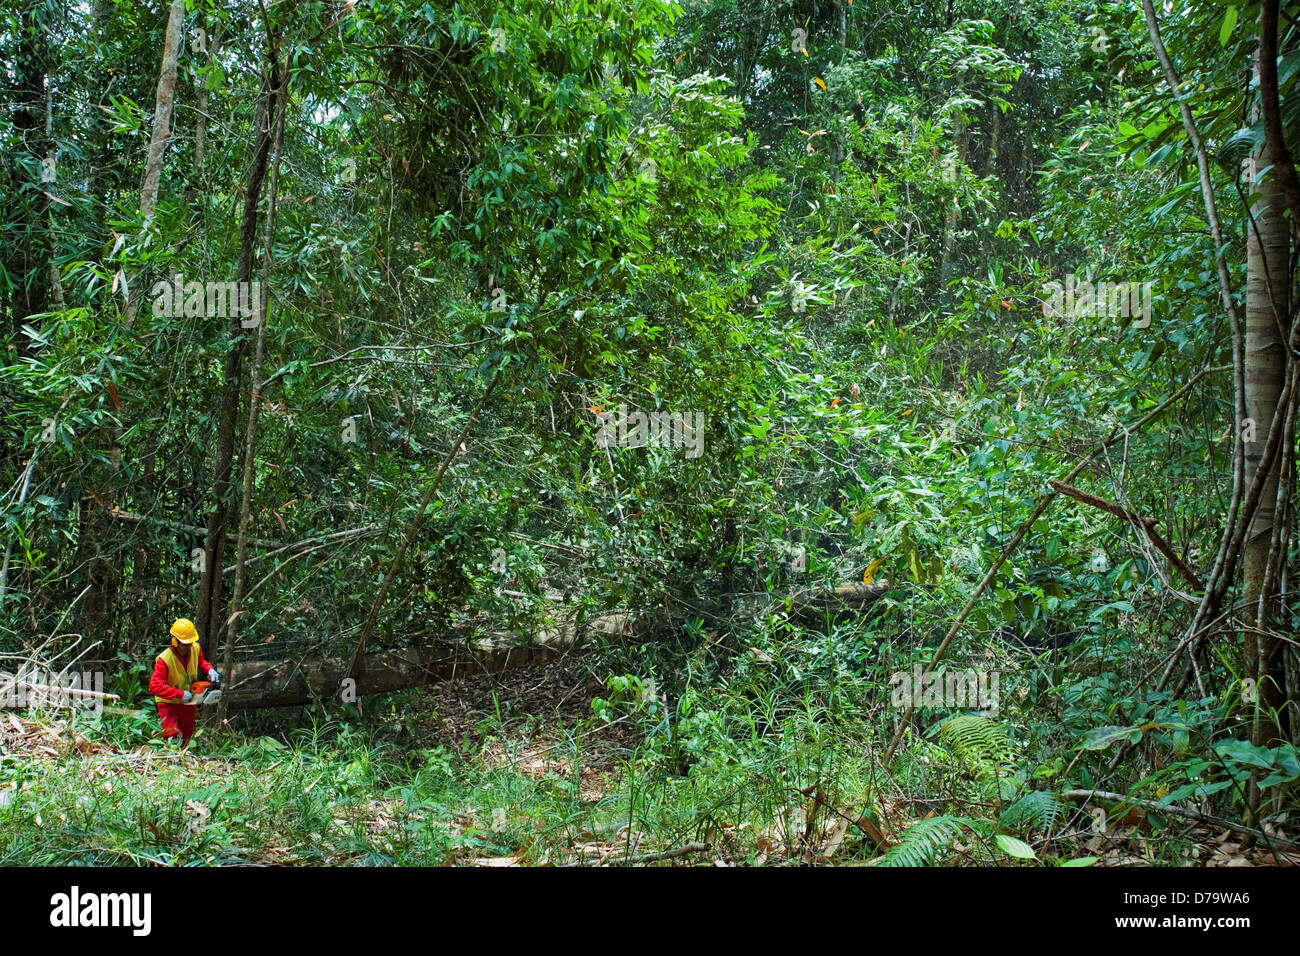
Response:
column 287, row 682
column 284, row 683
column 808, row 604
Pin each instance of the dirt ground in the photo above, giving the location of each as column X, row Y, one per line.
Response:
column 537, row 703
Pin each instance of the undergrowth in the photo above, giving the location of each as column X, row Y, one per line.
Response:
column 767, row 753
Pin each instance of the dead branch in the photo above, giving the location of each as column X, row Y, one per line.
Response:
column 1141, row 523
column 661, row 855
column 1196, row 815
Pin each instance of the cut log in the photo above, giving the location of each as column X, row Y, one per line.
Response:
column 288, row 682
column 807, row 604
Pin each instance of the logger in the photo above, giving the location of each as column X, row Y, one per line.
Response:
column 176, row 680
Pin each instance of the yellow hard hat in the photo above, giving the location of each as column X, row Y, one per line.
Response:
column 183, row 630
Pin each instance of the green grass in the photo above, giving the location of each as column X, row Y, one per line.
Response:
column 335, row 795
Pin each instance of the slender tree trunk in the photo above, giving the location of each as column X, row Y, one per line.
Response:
column 164, row 100
column 951, row 215
column 255, row 393
column 201, row 87
column 208, row 614
column 28, row 261
column 1225, row 558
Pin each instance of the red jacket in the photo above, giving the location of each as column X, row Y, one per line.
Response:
column 159, row 687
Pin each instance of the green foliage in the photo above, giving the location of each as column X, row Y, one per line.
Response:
column 1037, row 810
column 981, row 743
column 828, row 229
column 925, row 841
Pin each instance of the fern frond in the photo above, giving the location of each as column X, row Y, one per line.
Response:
column 922, row 841
column 980, row 742
column 1036, row 810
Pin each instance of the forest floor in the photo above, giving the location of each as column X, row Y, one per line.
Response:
column 527, row 730
column 496, row 770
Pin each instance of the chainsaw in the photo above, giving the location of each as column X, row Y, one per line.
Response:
column 206, row 691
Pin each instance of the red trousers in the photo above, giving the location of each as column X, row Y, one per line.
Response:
column 177, row 719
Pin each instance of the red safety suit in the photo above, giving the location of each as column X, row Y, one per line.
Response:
column 172, row 677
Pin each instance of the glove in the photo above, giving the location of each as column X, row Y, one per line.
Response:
column 187, row 698
column 213, row 675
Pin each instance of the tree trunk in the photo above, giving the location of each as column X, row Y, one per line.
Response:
column 1267, row 313
column 200, row 82
column 283, row 683
column 28, row 261
column 208, row 613
column 164, row 99
column 255, row 393
column 286, row 683
column 162, row 111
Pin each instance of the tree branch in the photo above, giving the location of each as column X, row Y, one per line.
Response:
column 1145, row 525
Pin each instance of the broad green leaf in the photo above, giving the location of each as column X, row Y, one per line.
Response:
column 1013, row 847
column 1099, row 738
column 1229, row 21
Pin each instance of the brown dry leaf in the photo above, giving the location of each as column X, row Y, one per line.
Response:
column 836, row 838
column 873, row 831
